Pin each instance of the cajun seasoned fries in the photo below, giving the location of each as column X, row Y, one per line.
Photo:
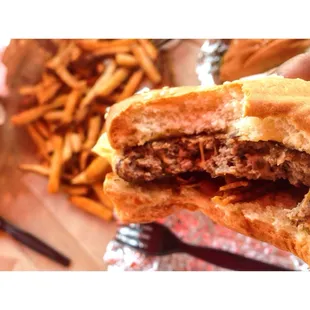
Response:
column 80, row 81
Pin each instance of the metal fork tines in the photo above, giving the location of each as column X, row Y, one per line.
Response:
column 156, row 240
column 134, row 235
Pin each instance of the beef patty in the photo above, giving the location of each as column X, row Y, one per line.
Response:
column 216, row 155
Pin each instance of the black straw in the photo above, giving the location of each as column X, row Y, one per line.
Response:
column 34, row 243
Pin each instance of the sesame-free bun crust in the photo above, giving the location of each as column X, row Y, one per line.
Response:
column 270, row 108
column 263, row 219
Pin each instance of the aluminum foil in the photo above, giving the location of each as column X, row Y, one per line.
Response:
column 209, row 60
column 195, row 227
column 198, row 229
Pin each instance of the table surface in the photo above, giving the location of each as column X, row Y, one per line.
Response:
column 24, row 199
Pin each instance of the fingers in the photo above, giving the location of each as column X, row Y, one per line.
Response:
column 296, row 67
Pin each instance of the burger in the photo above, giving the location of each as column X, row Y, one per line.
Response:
column 238, row 152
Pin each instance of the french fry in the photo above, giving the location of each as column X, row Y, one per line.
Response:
column 96, row 171
column 42, row 170
column 76, row 142
column 39, row 169
column 47, row 80
column 113, row 97
column 45, row 93
column 83, row 159
column 149, row 48
column 61, row 100
column 81, row 113
column 126, row 60
column 100, row 82
column 146, row 63
column 38, row 140
column 75, row 171
column 42, row 129
column 100, row 68
column 80, row 131
column 45, row 163
column 110, row 50
column 31, row 115
column 57, row 42
column 49, row 146
column 52, row 127
column 104, row 199
column 67, row 149
column 73, row 100
column 56, row 165
column 28, row 90
column 69, row 79
column 115, row 81
column 75, row 190
column 54, row 115
column 88, row 77
column 88, row 44
column 92, row 93
column 68, row 176
column 66, row 54
column 92, row 207
column 92, row 45
column 132, row 85
column 94, row 127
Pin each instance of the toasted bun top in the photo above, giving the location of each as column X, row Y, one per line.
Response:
column 271, row 108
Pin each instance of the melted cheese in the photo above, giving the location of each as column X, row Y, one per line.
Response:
column 103, row 148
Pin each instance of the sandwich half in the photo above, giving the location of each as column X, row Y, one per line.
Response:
column 238, row 152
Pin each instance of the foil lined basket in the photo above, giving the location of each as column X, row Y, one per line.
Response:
column 195, row 227
column 209, row 61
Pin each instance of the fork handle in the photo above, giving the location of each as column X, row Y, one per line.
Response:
column 228, row 260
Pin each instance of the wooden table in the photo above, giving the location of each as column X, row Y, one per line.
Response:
column 24, row 199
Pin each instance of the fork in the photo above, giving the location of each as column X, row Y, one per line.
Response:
column 155, row 239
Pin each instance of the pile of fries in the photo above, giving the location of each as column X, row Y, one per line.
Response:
column 65, row 111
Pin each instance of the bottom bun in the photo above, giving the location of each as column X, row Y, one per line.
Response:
column 264, row 219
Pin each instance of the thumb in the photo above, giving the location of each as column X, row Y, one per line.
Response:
column 296, row 67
